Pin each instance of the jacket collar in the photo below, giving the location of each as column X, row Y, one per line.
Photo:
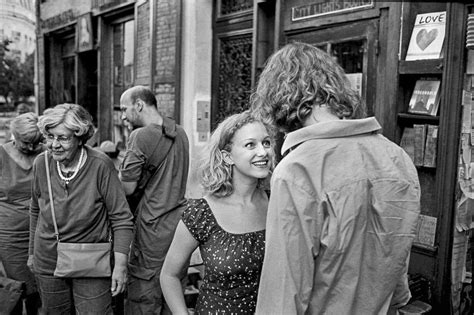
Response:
column 330, row 129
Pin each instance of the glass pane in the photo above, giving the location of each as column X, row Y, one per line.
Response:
column 69, row 92
column 68, row 47
column 118, row 58
column 123, row 61
column 323, row 47
column 350, row 55
column 128, row 53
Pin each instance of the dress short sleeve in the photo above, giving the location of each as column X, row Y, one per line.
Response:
column 197, row 218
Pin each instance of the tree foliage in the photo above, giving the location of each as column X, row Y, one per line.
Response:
column 16, row 78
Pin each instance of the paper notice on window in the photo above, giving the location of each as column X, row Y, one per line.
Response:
column 426, row 230
column 356, row 81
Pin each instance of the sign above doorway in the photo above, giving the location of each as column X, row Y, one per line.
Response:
column 326, row 7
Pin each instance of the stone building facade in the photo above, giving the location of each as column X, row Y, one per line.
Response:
column 17, row 24
column 92, row 50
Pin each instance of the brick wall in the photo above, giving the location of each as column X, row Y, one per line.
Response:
column 166, row 72
column 142, row 58
column 165, row 97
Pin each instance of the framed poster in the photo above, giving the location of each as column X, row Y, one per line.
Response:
column 84, row 35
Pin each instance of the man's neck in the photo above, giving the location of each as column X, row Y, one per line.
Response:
column 152, row 117
column 319, row 114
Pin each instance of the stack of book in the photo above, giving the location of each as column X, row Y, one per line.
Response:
column 419, row 288
column 420, row 142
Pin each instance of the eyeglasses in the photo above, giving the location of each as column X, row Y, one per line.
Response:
column 61, row 139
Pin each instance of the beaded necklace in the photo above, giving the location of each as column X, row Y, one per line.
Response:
column 76, row 170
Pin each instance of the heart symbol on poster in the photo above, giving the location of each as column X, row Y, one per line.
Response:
column 425, row 38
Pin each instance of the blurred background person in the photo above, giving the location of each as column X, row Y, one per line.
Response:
column 23, row 108
column 112, row 151
column 5, row 123
column 228, row 224
column 89, row 204
column 16, row 168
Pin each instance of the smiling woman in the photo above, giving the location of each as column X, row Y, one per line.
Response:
column 86, row 189
column 228, row 224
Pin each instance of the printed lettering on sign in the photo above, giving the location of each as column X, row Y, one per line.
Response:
column 327, row 7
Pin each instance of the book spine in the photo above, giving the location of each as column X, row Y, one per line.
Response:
column 407, row 142
column 420, row 137
column 431, row 146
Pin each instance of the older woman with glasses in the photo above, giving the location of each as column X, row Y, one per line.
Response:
column 88, row 202
column 16, row 169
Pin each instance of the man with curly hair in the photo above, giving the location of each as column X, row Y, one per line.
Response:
column 344, row 201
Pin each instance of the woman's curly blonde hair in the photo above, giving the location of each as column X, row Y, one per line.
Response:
column 216, row 173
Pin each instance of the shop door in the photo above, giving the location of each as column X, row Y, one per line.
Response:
column 355, row 47
column 60, row 69
column 232, row 58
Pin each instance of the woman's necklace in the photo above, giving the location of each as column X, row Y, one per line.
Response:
column 76, row 170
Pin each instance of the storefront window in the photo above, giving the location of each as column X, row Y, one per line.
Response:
column 123, row 72
column 69, row 70
column 350, row 56
column 128, row 45
column 69, row 93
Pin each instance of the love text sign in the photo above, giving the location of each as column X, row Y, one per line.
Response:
column 427, row 37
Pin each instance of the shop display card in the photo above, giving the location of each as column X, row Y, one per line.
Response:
column 426, row 230
column 425, row 97
column 427, row 37
column 470, row 62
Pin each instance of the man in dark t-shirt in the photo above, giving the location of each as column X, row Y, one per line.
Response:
column 156, row 162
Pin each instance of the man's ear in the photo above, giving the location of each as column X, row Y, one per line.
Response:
column 227, row 157
column 140, row 105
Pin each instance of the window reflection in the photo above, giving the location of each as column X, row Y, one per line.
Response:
column 350, row 56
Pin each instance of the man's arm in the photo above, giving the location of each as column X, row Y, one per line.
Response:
column 132, row 164
column 288, row 268
column 402, row 294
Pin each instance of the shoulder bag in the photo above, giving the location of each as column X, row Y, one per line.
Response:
column 78, row 260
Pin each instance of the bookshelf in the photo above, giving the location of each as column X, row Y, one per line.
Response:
column 433, row 262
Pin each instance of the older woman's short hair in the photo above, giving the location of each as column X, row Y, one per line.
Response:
column 216, row 174
column 298, row 77
column 24, row 128
column 74, row 117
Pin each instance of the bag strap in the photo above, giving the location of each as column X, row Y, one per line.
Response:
column 165, row 143
column 51, row 201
